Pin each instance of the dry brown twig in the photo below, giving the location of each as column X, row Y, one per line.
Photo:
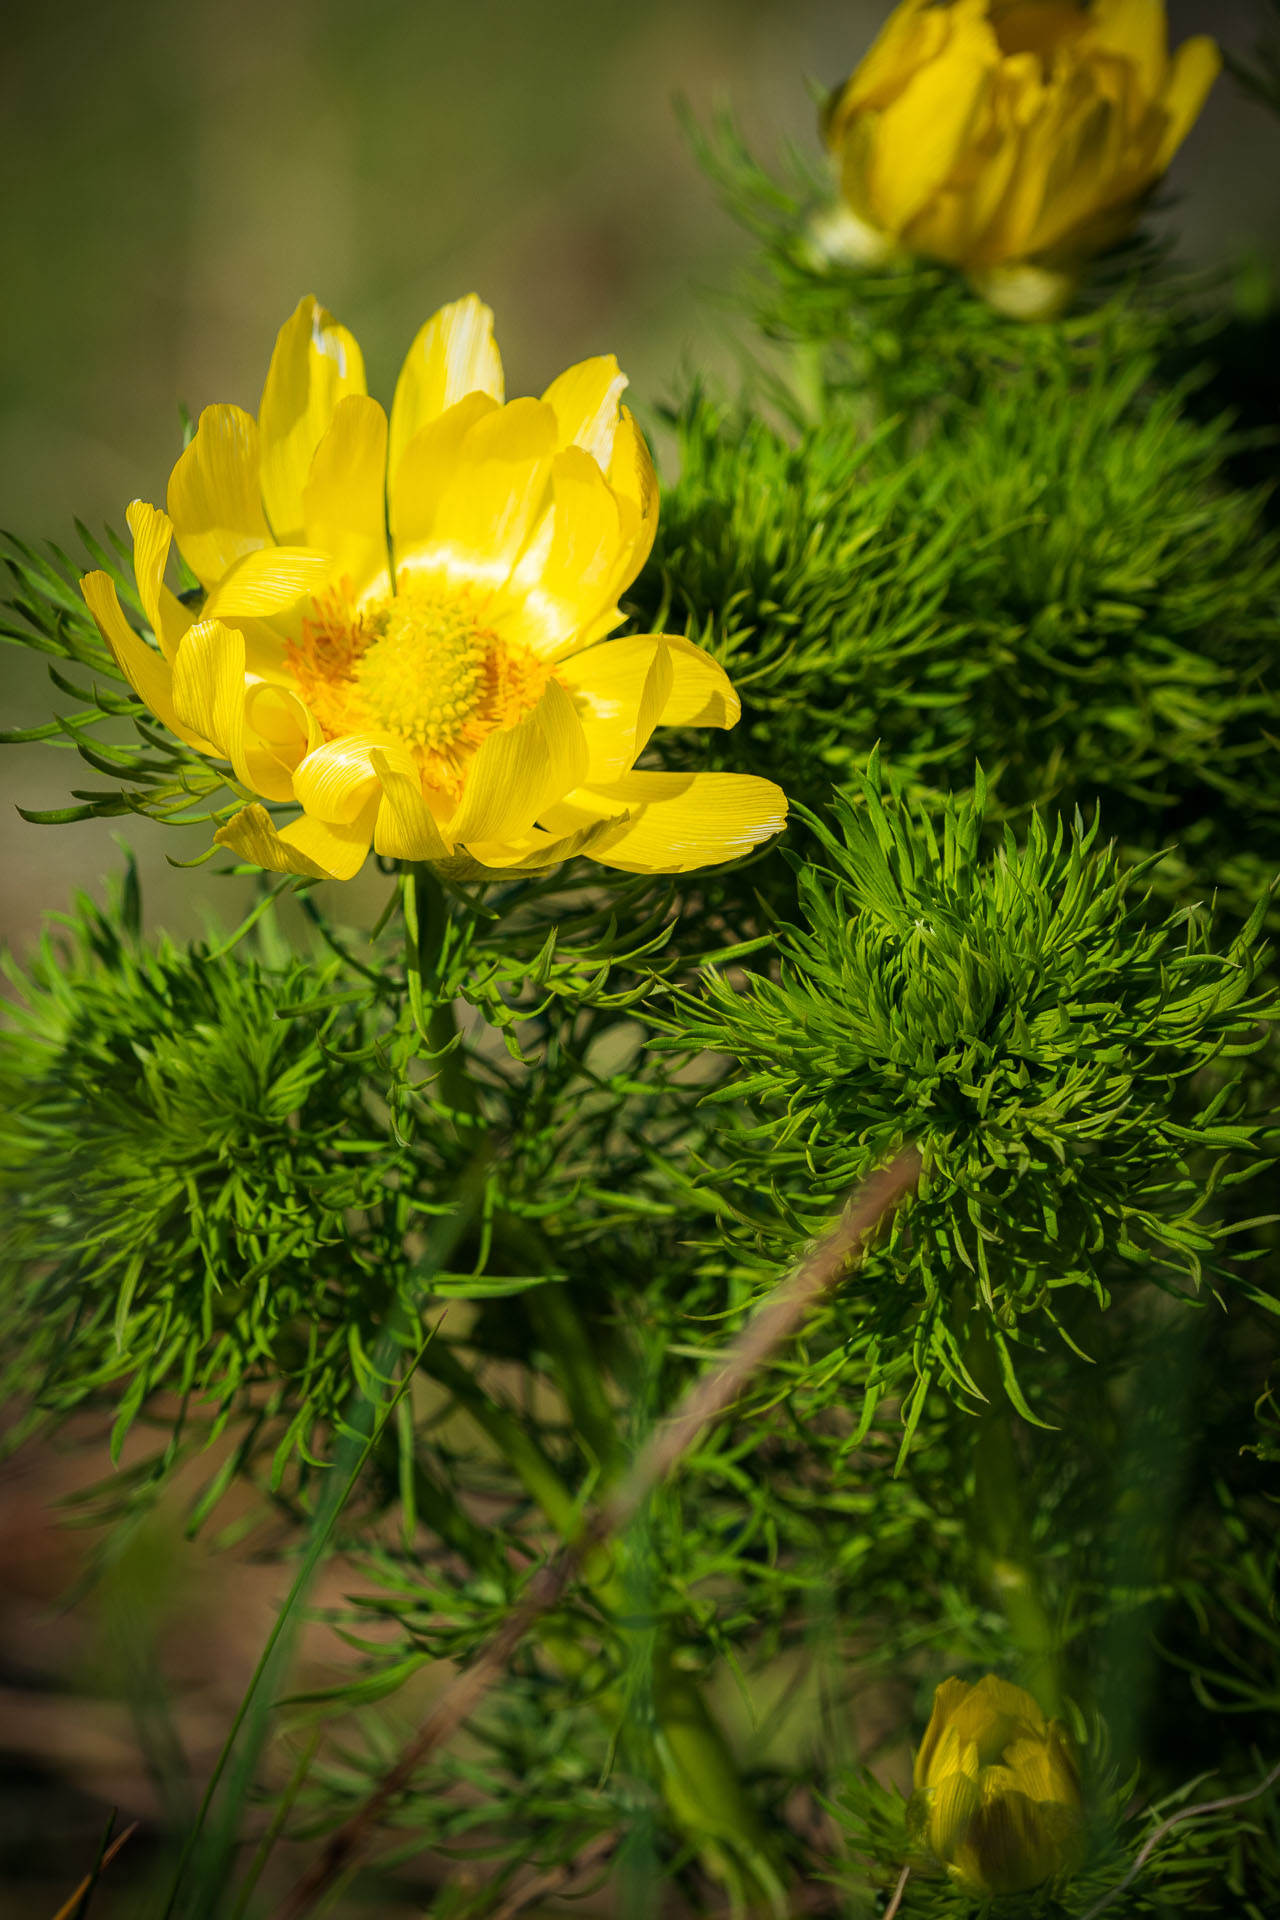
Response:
column 555, row 1879
column 781, row 1314
column 898, row 1892
column 90, row 1879
column 1175, row 1820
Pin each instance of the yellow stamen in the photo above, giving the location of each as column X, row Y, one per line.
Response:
column 421, row 677
column 420, row 666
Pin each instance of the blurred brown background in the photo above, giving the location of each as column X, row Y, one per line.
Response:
column 175, row 176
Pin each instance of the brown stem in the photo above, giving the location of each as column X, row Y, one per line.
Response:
column 1174, row 1820
column 90, row 1879
column 556, row 1878
column 898, row 1892
column 781, row 1314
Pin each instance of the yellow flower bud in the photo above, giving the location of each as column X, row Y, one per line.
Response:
column 999, row 134
column 997, row 1800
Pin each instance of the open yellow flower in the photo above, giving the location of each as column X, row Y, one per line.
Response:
column 404, row 623
column 997, row 1800
column 1013, row 138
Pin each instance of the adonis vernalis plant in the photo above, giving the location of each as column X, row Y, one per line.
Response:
column 1014, row 138
column 450, row 690
column 417, row 1232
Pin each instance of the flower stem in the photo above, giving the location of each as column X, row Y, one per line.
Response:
column 1002, row 1530
column 697, row 1772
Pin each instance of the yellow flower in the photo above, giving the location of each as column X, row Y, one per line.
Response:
column 1013, row 138
column 997, row 1800
column 403, row 626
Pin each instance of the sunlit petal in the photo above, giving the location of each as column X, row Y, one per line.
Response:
column 680, row 821
column 621, row 697
column 406, row 828
column 147, row 672
column 417, row 483
column 152, row 534
column 315, row 364
column 215, row 496
column 311, row 848
column 566, row 579
column 268, row 582
column 585, row 399
column 344, row 500
column 453, row 355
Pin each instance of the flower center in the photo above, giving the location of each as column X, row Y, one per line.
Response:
column 422, row 677
column 420, row 666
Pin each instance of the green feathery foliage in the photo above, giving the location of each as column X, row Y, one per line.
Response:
column 1058, row 581
column 153, row 773
column 1069, row 1073
column 417, row 1232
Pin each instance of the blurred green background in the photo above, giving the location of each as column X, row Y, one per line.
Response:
column 179, row 175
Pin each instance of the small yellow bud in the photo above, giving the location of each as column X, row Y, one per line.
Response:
column 1012, row 134
column 997, row 1800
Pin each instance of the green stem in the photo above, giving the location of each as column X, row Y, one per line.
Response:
column 703, row 1789
column 426, row 918
column 699, row 1779
column 698, row 1776
column 578, row 1375
column 522, row 1453
column 1002, row 1527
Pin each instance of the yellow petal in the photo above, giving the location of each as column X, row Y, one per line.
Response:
column 536, row 849
column 215, row 500
column 344, row 500
column 418, row 482
column 566, row 741
column 585, row 400
column 338, row 780
column 1086, row 172
column 946, row 1699
column 1195, row 67
column 147, row 672
column 632, row 478
column 1008, row 1848
column 152, row 533
column 340, row 851
column 679, row 821
column 960, row 222
column 267, row 582
column 921, row 137
column 955, row 1801
column 251, row 833
column 993, row 1715
column 614, row 687
column 1043, row 1769
column 495, row 495
column 1038, row 139
column 1040, row 26
column 209, row 689
column 568, row 577
column 264, row 731
column 314, row 365
column 406, row 828
column 996, row 1696
column 914, row 33
column 518, row 772
column 454, row 354
column 308, row 847
column 509, row 767
column 279, row 734
column 1135, row 31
